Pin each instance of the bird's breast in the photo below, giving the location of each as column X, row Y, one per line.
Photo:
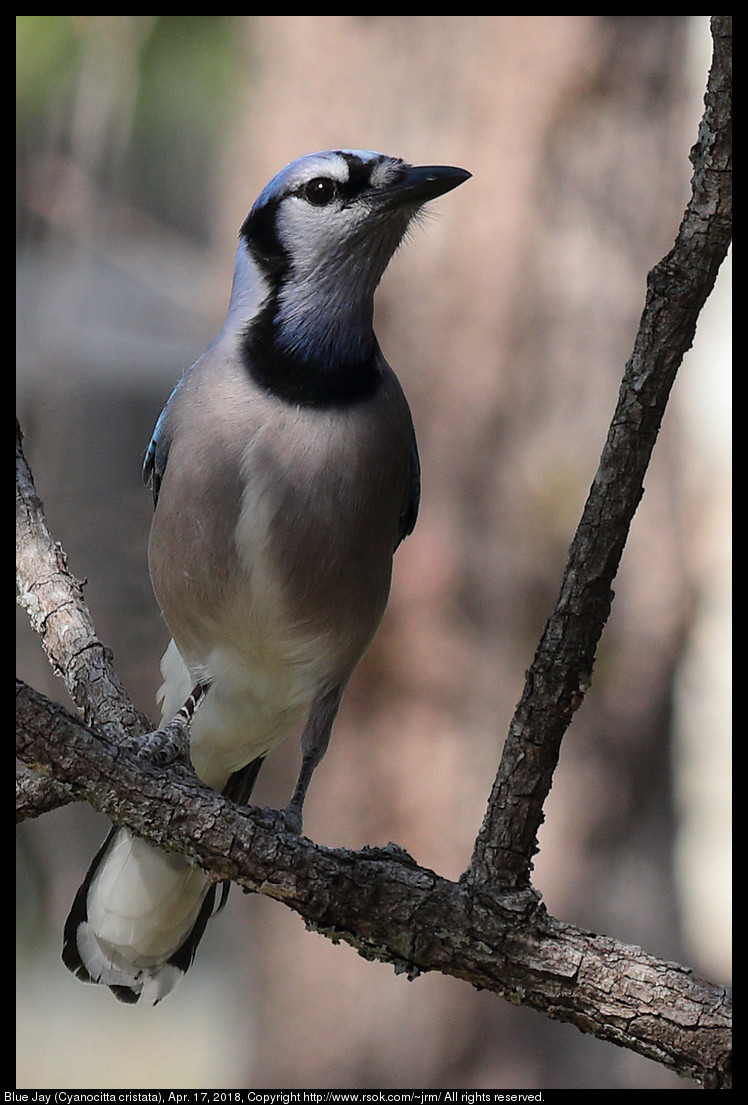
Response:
column 275, row 529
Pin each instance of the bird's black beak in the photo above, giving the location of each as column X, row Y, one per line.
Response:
column 418, row 184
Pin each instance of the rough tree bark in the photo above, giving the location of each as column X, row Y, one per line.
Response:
column 490, row 928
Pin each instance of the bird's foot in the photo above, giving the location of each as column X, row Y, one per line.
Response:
column 292, row 819
column 165, row 745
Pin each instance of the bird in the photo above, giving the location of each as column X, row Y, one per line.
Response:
column 285, row 473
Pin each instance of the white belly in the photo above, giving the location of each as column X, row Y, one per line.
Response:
column 256, row 698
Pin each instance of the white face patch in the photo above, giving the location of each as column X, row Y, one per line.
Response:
column 315, row 233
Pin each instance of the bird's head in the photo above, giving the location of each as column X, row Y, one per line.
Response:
column 318, row 239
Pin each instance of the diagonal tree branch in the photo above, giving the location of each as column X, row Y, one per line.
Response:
column 677, row 289
column 386, row 906
column 53, row 599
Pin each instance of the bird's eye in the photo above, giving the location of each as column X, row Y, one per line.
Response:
column 320, row 191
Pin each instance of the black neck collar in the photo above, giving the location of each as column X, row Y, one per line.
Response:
column 304, row 381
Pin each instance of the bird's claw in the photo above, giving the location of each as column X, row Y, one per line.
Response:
column 292, row 819
column 163, row 746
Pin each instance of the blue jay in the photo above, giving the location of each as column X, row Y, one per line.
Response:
column 285, row 473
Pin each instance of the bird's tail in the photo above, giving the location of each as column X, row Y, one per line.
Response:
column 137, row 919
column 140, row 913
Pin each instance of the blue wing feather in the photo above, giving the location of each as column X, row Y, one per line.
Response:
column 157, row 453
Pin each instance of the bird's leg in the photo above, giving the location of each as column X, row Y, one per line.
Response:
column 171, row 742
column 241, row 784
column 314, row 742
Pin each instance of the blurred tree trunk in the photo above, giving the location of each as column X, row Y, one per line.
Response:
column 509, row 325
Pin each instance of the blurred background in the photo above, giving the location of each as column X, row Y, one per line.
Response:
column 141, row 143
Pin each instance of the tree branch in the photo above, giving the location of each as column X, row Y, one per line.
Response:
column 53, row 599
column 677, row 289
column 386, row 906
